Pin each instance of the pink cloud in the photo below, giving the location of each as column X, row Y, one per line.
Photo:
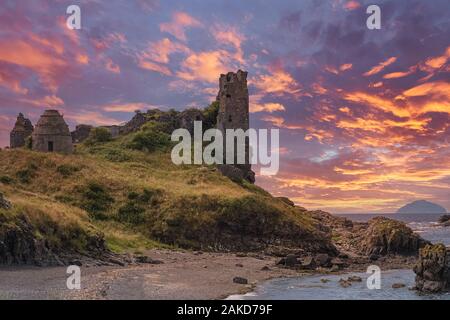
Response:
column 179, row 23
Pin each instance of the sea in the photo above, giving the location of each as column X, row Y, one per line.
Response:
column 326, row 287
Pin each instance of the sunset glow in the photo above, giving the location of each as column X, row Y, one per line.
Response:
column 364, row 114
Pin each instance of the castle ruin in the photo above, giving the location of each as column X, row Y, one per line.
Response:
column 234, row 114
column 52, row 134
column 21, row 131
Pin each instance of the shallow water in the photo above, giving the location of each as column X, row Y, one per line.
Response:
column 312, row 288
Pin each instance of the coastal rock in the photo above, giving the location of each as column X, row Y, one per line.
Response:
column 354, row 279
column 344, row 283
column 338, row 264
column 240, row 280
column 289, row 261
column 445, row 220
column 308, row 263
column 147, row 259
column 4, row 204
column 323, row 260
column 386, row 236
column 433, row 269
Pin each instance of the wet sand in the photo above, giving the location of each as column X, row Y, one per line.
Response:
column 182, row 275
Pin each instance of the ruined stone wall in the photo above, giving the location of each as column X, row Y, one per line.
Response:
column 234, row 114
column 81, row 133
column 21, row 131
column 52, row 134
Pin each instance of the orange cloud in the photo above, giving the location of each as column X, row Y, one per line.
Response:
column 155, row 67
column 378, row 68
column 127, row 107
column 25, row 54
column 204, row 66
column 51, row 101
column 352, row 5
column 277, row 81
column 227, row 35
column 257, row 106
column 160, row 51
column 346, row 67
column 376, row 102
column 176, row 27
column 396, row 75
column 91, row 117
column 10, row 82
column 111, row 66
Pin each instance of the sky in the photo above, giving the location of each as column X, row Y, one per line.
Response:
column 364, row 115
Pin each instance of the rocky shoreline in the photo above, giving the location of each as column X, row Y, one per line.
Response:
column 354, row 246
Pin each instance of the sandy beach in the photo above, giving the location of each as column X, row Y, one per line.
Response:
column 182, row 275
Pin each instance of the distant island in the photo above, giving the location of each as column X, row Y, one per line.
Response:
column 422, row 206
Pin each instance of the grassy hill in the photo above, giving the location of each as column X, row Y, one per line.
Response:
column 126, row 195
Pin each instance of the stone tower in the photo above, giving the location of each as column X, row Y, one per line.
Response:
column 234, row 114
column 21, row 131
column 52, row 134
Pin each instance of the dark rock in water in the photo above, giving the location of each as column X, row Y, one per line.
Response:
column 386, row 236
column 322, row 260
column 308, row 263
column 4, row 204
column 354, row 279
column 338, row 263
column 420, row 207
column 345, row 283
column 289, row 261
column 239, row 265
column 398, row 285
column 240, row 280
column 445, row 220
column 433, row 269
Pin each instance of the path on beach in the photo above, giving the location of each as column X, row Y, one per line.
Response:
column 183, row 275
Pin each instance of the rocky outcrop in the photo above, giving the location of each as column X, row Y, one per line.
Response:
column 433, row 269
column 20, row 245
column 81, row 133
column 4, row 204
column 445, row 220
column 236, row 174
column 23, row 129
column 386, row 236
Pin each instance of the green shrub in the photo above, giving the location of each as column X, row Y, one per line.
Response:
column 134, row 210
column 98, row 135
column 210, row 113
column 96, row 200
column 25, row 175
column 6, row 180
column 149, row 140
column 131, row 213
column 66, row 170
column 116, row 155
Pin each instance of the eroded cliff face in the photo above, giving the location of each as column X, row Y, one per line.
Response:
column 433, row 269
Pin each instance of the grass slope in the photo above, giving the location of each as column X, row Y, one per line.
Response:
column 139, row 199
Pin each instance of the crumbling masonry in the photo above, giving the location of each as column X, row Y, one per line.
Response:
column 234, row 114
column 21, row 131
